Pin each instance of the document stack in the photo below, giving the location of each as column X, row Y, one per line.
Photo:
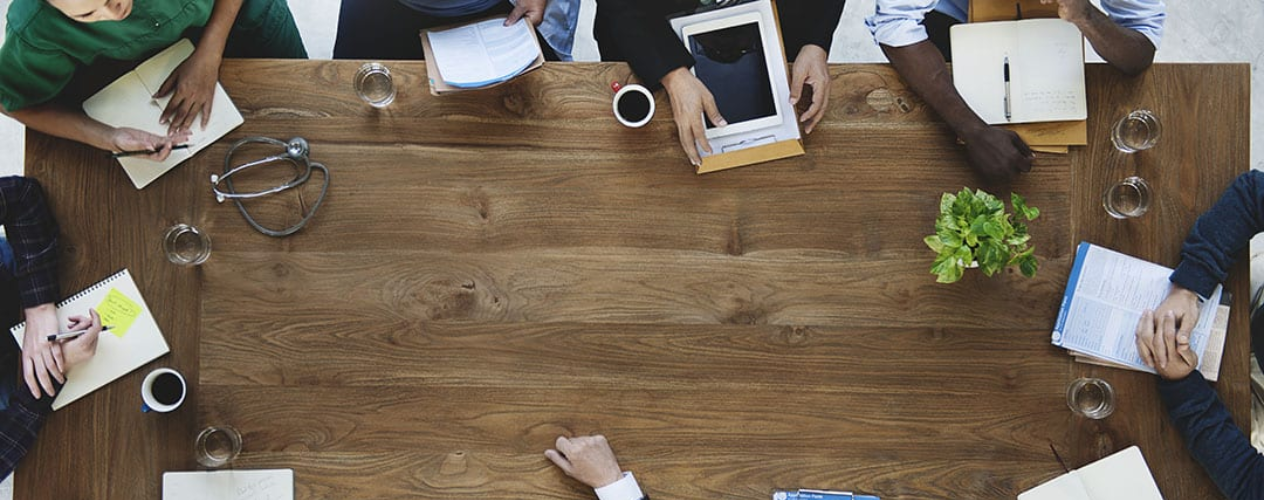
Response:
column 1105, row 297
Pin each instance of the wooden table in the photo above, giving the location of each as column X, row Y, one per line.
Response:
column 494, row 269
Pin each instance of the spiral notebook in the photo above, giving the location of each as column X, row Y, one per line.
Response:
column 134, row 340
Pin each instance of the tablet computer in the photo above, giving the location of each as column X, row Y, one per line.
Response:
column 731, row 60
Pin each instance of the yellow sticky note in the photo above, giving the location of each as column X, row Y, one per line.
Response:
column 118, row 311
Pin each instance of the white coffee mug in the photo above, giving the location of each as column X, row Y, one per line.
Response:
column 147, row 392
column 620, row 91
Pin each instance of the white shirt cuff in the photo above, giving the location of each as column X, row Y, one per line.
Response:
column 623, row 489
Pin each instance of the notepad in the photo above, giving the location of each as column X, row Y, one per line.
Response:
column 129, row 102
column 1106, row 294
column 1123, row 475
column 483, row 53
column 140, row 342
column 1046, row 58
column 263, row 484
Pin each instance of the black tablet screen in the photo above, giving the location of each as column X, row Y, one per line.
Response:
column 731, row 63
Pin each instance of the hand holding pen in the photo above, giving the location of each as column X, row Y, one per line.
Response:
column 80, row 343
column 144, row 144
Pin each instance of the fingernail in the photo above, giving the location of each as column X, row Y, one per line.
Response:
column 794, row 100
column 722, row 122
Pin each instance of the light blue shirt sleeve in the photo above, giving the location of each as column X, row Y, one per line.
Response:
column 1144, row 16
column 898, row 23
column 558, row 29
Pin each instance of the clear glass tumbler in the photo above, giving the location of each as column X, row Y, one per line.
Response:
column 1091, row 397
column 1128, row 198
column 1139, row 130
column 374, row 84
column 186, row 245
column 216, row 446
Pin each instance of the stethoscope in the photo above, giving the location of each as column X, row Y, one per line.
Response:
column 296, row 153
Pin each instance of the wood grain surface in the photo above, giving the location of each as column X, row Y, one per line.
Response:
column 497, row 268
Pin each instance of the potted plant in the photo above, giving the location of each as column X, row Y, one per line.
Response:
column 973, row 230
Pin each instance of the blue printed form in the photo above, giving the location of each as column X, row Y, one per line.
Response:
column 1105, row 296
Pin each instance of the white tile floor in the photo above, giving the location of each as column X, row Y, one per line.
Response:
column 1226, row 30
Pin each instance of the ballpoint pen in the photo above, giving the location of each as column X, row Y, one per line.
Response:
column 1008, row 112
column 122, row 154
column 73, row 334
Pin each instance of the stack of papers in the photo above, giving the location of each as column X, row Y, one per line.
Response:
column 1105, row 297
column 480, row 55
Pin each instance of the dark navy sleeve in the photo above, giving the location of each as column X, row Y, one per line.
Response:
column 808, row 22
column 1212, row 437
column 1220, row 234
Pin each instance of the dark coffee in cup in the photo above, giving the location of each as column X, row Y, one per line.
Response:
column 634, row 106
column 168, row 389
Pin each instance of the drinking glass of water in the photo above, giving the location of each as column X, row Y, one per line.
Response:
column 1128, row 198
column 374, row 84
column 186, row 245
column 1091, row 397
column 216, row 446
column 1138, row 131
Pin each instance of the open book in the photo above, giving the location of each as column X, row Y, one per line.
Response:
column 1105, row 297
column 479, row 55
column 133, row 341
column 263, row 484
column 1123, row 475
column 1046, row 70
column 129, row 102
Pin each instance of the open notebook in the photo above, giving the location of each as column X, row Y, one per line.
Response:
column 1122, row 476
column 134, row 340
column 263, row 484
column 1046, row 67
column 129, row 102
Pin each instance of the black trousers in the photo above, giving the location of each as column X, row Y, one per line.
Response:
column 937, row 25
column 387, row 29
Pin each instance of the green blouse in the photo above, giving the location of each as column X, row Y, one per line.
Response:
column 43, row 48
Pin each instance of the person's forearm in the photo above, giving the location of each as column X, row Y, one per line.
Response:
column 1126, row 49
column 1212, row 437
column 925, row 71
column 215, row 36
column 1220, row 233
column 54, row 119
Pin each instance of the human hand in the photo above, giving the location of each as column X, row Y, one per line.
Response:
column 83, row 347
column 41, row 358
column 811, row 67
column 588, row 459
column 533, row 10
column 192, row 90
column 689, row 100
column 1183, row 305
column 130, row 139
column 1160, row 335
column 1073, row 11
column 998, row 154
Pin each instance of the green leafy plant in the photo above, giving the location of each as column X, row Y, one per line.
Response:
column 973, row 227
